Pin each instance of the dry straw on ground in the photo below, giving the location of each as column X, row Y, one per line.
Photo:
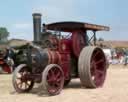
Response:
column 115, row 90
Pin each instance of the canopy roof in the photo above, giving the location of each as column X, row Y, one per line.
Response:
column 73, row 26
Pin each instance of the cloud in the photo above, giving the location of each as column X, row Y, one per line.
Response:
column 56, row 10
column 107, row 12
column 67, row 10
column 21, row 31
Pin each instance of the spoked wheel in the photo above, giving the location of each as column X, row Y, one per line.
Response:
column 53, row 79
column 21, row 81
column 92, row 67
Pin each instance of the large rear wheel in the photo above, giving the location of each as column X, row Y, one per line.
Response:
column 92, row 67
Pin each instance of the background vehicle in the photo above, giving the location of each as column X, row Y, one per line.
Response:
column 4, row 66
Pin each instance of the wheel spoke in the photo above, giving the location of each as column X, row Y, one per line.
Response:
column 49, row 79
column 20, row 85
column 97, row 82
column 96, row 54
column 52, row 73
column 100, row 61
column 59, row 79
column 58, row 74
column 98, row 76
column 50, row 76
column 18, row 78
column 100, row 72
column 27, row 83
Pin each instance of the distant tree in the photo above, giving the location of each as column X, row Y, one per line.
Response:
column 3, row 34
column 101, row 39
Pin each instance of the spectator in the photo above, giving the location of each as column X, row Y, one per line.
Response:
column 125, row 58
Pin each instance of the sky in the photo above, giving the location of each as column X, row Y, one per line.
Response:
column 16, row 15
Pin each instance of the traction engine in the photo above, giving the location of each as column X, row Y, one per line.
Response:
column 55, row 57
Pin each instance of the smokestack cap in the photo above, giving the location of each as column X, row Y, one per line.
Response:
column 36, row 15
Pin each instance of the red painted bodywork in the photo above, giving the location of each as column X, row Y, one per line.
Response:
column 61, row 55
column 5, row 67
column 67, row 49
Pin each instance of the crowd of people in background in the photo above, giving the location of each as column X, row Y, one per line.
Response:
column 118, row 58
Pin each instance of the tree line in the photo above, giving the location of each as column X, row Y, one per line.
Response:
column 4, row 34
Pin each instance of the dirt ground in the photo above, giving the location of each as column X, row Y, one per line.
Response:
column 115, row 89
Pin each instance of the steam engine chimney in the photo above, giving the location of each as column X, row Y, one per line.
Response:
column 37, row 27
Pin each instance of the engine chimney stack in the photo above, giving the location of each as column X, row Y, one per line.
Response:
column 37, row 27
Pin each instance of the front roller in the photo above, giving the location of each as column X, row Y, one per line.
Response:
column 92, row 67
column 53, row 79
